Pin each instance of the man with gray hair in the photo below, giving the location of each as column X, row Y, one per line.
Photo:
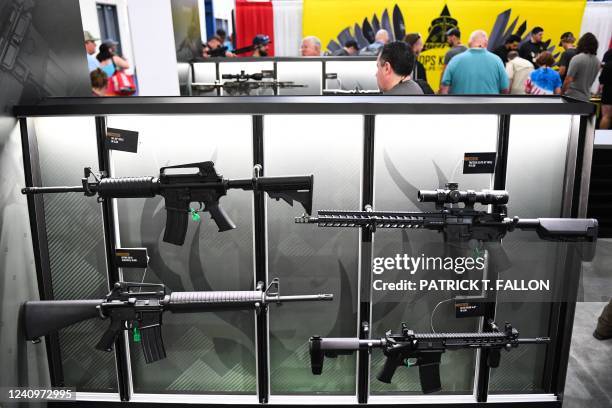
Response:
column 475, row 71
column 380, row 39
column 310, row 47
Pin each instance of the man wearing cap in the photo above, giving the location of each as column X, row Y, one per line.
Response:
column 90, row 47
column 260, row 45
column 567, row 42
column 453, row 38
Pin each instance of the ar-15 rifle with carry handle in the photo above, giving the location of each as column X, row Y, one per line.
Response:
column 205, row 187
column 139, row 307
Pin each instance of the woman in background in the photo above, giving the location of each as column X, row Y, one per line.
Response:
column 544, row 80
column 583, row 69
column 109, row 62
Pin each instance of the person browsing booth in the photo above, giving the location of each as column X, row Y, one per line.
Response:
column 394, row 68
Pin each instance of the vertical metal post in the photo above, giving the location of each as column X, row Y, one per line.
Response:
column 578, row 209
column 365, row 261
column 499, row 183
column 261, row 265
column 38, row 229
column 108, row 211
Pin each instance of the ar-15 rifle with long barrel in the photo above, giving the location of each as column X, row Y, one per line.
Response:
column 139, row 307
column 425, row 349
column 243, row 83
column 205, row 187
column 463, row 224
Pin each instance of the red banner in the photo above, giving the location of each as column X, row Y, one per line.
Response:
column 253, row 18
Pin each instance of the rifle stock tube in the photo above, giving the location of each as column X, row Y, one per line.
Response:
column 269, row 184
column 347, row 343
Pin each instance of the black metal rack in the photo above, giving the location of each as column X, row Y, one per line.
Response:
column 369, row 106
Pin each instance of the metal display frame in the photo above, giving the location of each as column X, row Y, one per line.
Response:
column 574, row 204
column 274, row 60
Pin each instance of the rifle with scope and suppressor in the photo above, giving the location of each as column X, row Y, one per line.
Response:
column 423, row 350
column 463, row 224
column 243, row 83
column 205, row 187
column 139, row 307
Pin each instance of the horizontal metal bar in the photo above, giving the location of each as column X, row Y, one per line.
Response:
column 97, row 396
column 354, row 104
column 312, row 399
column 422, row 399
column 231, row 399
column 284, row 59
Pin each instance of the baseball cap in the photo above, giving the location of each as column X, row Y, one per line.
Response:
column 261, row 39
column 454, row 31
column 567, row 37
column 110, row 42
column 89, row 37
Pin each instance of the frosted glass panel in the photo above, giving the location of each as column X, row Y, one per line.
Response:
column 249, row 67
column 207, row 352
column 307, row 73
column 536, row 169
column 352, row 74
column 76, row 246
column 309, row 259
column 412, row 153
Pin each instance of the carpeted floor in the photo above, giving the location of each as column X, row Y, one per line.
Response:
column 589, row 376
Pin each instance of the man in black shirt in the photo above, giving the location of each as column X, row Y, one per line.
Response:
column 350, row 48
column 532, row 48
column 510, row 44
column 567, row 42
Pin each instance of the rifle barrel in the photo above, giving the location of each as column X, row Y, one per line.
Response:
column 300, row 298
column 537, row 340
column 44, row 190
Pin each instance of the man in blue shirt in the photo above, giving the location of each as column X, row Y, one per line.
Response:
column 476, row 71
column 90, row 48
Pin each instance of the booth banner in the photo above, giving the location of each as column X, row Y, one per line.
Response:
column 336, row 21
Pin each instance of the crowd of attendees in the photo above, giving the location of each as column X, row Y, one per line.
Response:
column 103, row 64
column 511, row 68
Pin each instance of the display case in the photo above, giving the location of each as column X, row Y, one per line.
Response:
column 362, row 151
column 314, row 75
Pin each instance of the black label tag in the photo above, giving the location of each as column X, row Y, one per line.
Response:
column 121, row 139
column 477, row 163
column 469, row 306
column 131, row 257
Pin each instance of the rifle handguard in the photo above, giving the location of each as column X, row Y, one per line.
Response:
column 128, row 187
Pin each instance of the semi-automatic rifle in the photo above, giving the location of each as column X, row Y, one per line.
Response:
column 463, row 224
column 205, row 187
column 244, row 84
column 423, row 350
column 139, row 307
